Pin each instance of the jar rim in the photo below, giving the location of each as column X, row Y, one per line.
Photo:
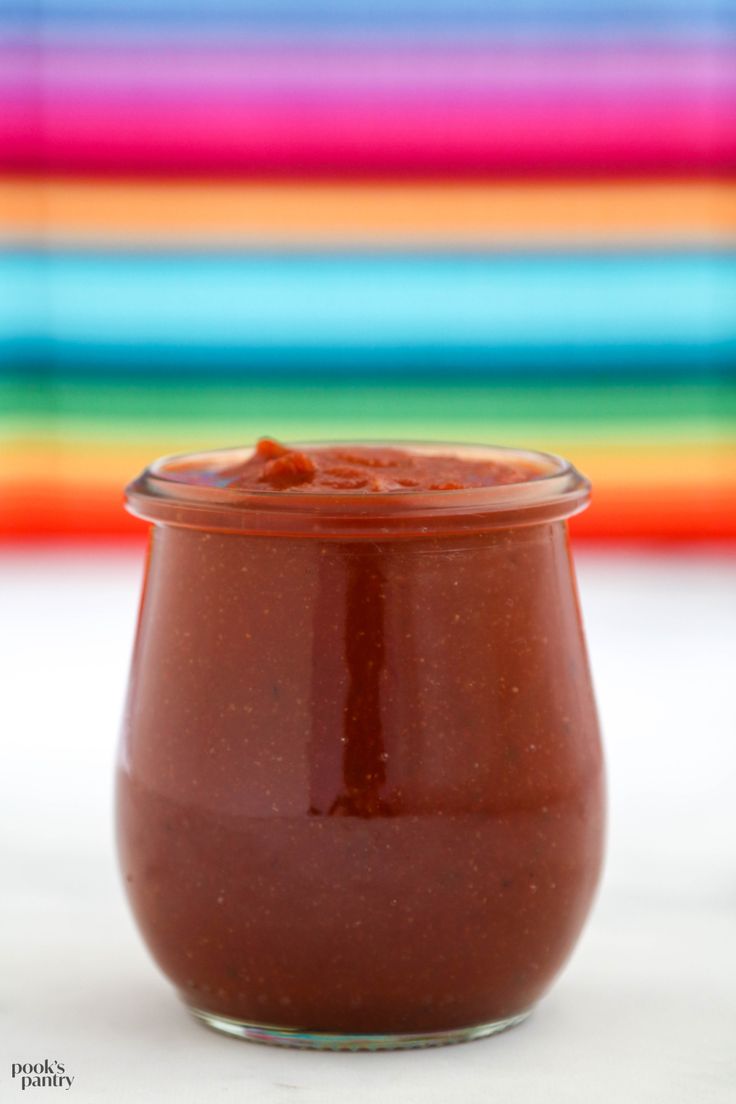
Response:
column 156, row 495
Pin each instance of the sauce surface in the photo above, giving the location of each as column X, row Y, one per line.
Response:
column 367, row 469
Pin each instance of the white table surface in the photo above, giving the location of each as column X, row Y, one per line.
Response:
column 646, row 1010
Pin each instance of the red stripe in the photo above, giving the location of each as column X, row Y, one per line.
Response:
column 626, row 513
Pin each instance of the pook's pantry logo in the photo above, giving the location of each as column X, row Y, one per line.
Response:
column 40, row 1075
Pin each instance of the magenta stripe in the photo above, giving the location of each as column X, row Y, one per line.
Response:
column 332, row 131
column 349, row 110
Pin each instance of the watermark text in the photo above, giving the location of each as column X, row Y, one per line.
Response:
column 49, row 1074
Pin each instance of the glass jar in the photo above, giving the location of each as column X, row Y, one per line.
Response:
column 360, row 785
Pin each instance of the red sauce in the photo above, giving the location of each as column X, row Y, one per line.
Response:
column 366, row 469
column 360, row 787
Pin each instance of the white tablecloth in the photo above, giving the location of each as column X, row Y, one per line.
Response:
column 646, row 1011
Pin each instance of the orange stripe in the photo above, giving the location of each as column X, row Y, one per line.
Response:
column 659, row 512
column 293, row 213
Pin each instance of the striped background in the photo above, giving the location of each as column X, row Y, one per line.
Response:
column 485, row 222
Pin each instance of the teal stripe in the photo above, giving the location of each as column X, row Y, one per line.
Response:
column 168, row 313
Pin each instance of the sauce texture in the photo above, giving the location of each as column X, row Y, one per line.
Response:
column 366, row 469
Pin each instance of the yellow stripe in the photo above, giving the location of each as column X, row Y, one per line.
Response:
column 685, row 465
column 697, row 431
column 232, row 214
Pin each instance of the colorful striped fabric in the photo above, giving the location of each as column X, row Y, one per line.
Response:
column 662, row 459
column 510, row 222
column 371, row 109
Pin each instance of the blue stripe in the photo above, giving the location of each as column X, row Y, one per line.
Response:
column 372, row 313
column 233, row 33
column 542, row 12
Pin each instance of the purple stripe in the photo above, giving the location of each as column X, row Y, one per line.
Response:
column 509, row 71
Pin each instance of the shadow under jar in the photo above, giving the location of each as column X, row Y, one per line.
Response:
column 360, row 784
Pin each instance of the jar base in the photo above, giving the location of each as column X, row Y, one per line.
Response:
column 318, row 1040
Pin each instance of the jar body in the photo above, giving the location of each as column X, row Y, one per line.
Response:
column 360, row 787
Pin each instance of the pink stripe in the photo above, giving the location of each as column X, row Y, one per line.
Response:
column 351, row 134
column 513, row 67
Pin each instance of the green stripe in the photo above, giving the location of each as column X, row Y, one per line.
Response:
column 447, row 405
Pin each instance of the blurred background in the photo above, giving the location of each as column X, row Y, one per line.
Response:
column 504, row 221
column 507, row 221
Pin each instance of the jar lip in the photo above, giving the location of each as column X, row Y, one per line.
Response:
column 159, row 495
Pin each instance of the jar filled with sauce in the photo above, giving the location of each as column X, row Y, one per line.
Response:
column 360, row 783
